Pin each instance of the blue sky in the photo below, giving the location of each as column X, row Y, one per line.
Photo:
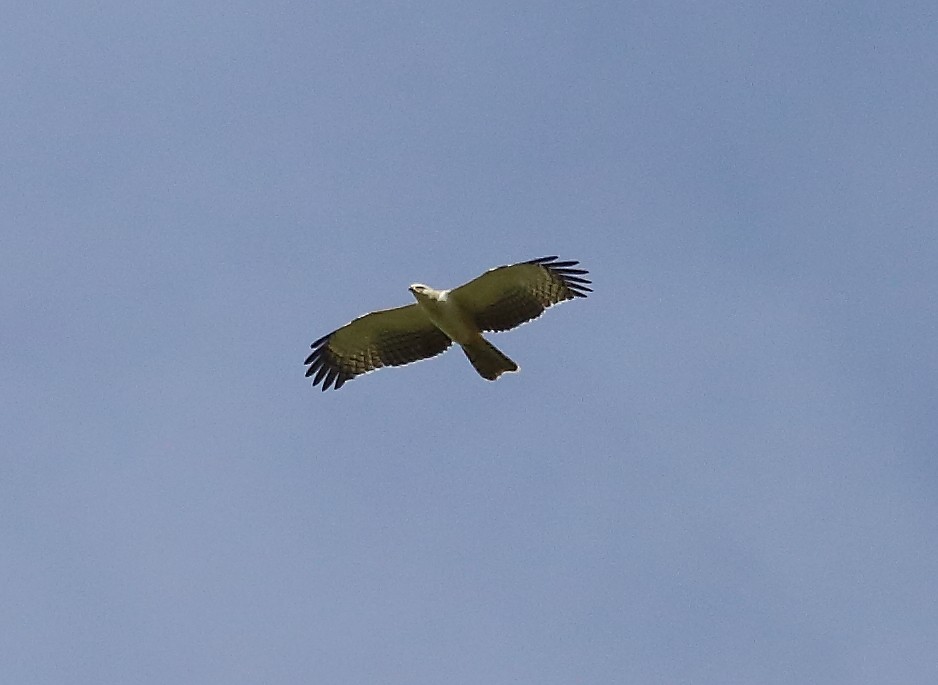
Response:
column 719, row 468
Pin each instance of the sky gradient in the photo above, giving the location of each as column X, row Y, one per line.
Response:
column 718, row 468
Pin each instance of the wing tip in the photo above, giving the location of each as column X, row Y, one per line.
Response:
column 571, row 278
column 323, row 369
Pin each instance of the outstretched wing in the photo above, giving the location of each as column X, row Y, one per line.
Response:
column 508, row 296
column 390, row 337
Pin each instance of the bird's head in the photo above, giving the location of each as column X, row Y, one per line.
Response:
column 421, row 291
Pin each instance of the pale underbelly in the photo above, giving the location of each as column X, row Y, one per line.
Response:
column 451, row 321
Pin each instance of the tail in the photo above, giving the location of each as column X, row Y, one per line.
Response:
column 487, row 359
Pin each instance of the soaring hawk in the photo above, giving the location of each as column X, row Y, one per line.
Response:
column 498, row 300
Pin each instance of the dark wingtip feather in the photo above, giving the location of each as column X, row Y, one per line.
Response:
column 315, row 366
column 320, row 374
column 322, row 367
column 570, row 277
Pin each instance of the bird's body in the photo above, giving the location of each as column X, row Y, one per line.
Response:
column 445, row 313
column 498, row 300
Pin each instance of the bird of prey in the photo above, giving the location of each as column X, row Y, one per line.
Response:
column 498, row 300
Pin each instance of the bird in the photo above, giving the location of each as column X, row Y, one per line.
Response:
column 498, row 300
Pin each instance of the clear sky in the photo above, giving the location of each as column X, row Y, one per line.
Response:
column 719, row 468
